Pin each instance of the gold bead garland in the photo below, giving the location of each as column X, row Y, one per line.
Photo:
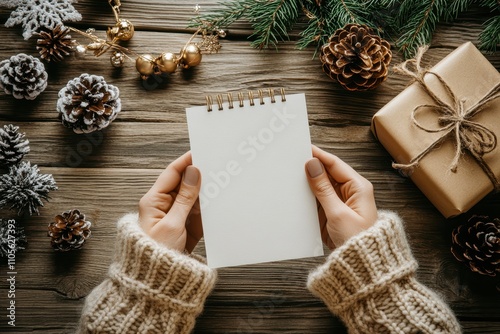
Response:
column 147, row 65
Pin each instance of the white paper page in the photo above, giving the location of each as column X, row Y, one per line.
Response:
column 256, row 203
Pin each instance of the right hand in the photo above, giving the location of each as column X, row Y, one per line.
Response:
column 346, row 199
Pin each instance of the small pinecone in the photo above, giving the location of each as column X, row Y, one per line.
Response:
column 477, row 244
column 69, row 230
column 88, row 103
column 23, row 76
column 356, row 57
column 55, row 44
column 13, row 145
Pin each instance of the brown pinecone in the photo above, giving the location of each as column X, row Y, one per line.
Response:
column 88, row 103
column 477, row 244
column 356, row 57
column 69, row 230
column 55, row 44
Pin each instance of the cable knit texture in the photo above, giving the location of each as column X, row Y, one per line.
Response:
column 369, row 282
column 150, row 289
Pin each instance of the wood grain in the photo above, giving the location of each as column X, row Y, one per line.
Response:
column 105, row 174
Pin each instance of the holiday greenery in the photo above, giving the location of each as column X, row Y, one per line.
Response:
column 477, row 244
column 13, row 145
column 69, row 230
column 412, row 22
column 24, row 189
column 36, row 14
column 88, row 103
column 12, row 237
column 23, row 76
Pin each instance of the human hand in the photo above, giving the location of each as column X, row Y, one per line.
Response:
column 346, row 200
column 170, row 211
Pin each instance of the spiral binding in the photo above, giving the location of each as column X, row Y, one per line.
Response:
column 241, row 98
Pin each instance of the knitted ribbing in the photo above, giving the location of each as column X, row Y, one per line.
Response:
column 150, row 289
column 369, row 282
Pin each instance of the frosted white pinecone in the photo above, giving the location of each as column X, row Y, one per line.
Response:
column 23, row 76
column 13, row 145
column 88, row 103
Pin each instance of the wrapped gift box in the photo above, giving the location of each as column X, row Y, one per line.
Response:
column 470, row 76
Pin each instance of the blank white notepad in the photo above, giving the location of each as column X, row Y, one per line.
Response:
column 256, row 204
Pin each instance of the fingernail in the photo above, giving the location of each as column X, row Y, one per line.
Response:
column 314, row 167
column 191, row 176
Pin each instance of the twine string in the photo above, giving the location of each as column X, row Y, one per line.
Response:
column 454, row 120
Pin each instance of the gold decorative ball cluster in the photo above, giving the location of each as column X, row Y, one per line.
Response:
column 168, row 62
column 147, row 65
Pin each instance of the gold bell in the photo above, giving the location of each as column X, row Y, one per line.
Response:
column 190, row 55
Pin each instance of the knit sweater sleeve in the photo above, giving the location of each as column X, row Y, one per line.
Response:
column 150, row 288
column 369, row 282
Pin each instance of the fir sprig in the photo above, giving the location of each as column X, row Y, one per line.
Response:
column 411, row 23
column 418, row 19
column 325, row 19
column 490, row 36
column 270, row 29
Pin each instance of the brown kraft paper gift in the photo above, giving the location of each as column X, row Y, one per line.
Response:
column 470, row 78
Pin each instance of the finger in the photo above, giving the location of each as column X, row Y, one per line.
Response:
column 323, row 189
column 172, row 175
column 336, row 167
column 185, row 199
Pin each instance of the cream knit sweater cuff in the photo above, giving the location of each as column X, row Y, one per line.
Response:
column 166, row 277
column 365, row 265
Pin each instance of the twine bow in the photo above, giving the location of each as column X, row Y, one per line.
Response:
column 454, row 120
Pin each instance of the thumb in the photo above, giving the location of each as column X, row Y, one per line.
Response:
column 323, row 189
column 186, row 196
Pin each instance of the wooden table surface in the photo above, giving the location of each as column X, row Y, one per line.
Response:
column 105, row 174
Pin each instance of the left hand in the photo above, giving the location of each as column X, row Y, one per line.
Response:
column 170, row 211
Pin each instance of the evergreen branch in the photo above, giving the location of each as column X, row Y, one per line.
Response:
column 231, row 11
column 412, row 22
column 493, row 4
column 314, row 33
column 269, row 29
column 490, row 36
column 333, row 15
column 422, row 17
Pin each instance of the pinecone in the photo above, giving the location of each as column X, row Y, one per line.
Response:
column 24, row 188
column 23, row 76
column 69, row 230
column 13, row 145
column 88, row 103
column 356, row 57
column 477, row 244
column 55, row 44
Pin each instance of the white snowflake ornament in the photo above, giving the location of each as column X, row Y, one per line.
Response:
column 36, row 14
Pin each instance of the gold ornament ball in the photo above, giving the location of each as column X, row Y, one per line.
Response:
column 191, row 55
column 145, row 65
column 123, row 30
column 167, row 62
column 117, row 59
